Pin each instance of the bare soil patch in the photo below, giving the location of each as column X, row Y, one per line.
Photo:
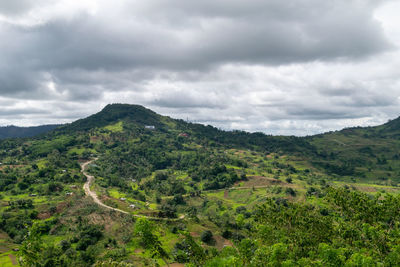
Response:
column 94, row 139
column 44, row 215
column 61, row 206
column 221, row 242
column 138, row 250
column 104, row 198
column 240, row 152
column 227, row 242
column 13, row 259
column 11, row 166
column 194, row 234
column 370, row 189
column 3, row 235
column 260, row 181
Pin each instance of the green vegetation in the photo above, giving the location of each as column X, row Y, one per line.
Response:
column 199, row 196
column 115, row 128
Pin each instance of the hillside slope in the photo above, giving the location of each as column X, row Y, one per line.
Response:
column 193, row 194
column 363, row 153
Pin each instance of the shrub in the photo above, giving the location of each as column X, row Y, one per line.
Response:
column 206, row 236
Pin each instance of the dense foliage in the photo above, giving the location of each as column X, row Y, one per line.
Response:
column 199, row 196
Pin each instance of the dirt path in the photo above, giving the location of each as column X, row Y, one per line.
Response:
column 13, row 259
column 226, row 194
column 93, row 195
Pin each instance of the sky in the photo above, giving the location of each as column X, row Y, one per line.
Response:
column 293, row 67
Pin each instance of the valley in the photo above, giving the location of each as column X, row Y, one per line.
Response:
column 109, row 190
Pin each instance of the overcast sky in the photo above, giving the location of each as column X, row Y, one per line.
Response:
column 281, row 67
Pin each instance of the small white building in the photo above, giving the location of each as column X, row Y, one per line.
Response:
column 150, row 127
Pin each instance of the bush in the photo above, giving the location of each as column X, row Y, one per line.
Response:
column 89, row 236
column 160, row 176
column 178, row 200
column 23, row 185
column 241, row 209
column 54, row 187
column 290, row 191
column 65, row 244
column 227, row 234
column 167, row 210
column 207, row 236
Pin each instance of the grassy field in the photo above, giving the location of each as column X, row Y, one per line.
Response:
column 115, row 128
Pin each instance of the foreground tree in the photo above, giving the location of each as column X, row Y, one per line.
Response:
column 145, row 229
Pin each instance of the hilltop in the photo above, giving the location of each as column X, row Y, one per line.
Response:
column 113, row 113
column 173, row 191
column 347, row 153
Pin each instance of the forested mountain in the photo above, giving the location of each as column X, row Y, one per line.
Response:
column 118, row 112
column 364, row 153
column 184, row 193
column 15, row 131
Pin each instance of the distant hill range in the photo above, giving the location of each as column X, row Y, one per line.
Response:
column 366, row 152
column 15, row 131
column 142, row 116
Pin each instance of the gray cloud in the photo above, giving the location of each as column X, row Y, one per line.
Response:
column 208, row 35
column 240, row 64
column 21, row 111
column 19, row 7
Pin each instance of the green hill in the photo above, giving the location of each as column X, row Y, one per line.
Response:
column 192, row 194
column 393, row 126
column 116, row 112
column 364, row 154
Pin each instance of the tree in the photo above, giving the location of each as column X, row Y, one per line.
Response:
column 34, row 252
column 207, row 236
column 246, row 249
column 145, row 230
column 31, row 249
column 189, row 250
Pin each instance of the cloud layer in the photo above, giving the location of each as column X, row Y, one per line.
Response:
column 286, row 67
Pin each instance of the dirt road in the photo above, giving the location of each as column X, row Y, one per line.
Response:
column 92, row 194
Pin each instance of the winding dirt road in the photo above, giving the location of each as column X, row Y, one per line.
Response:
column 93, row 195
